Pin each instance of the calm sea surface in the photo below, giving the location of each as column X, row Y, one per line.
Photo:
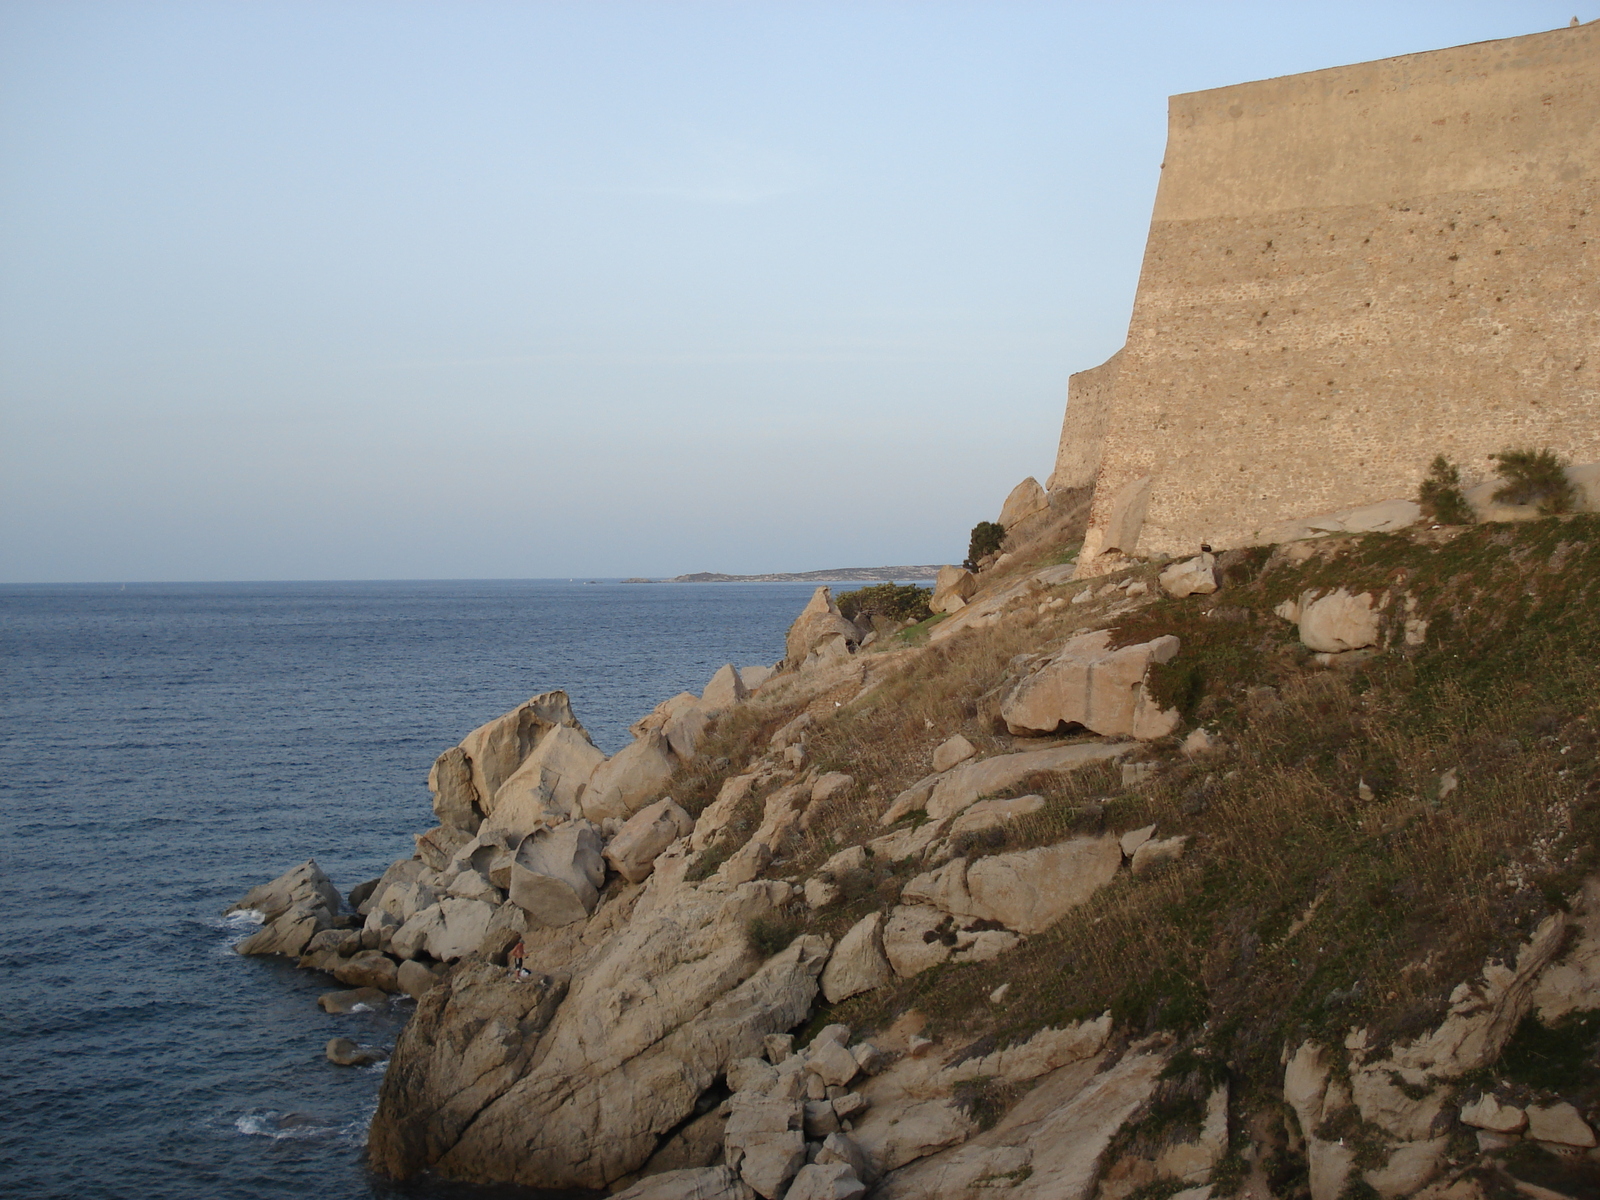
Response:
column 165, row 747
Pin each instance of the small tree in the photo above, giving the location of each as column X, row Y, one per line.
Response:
column 987, row 537
column 1440, row 495
column 1534, row 477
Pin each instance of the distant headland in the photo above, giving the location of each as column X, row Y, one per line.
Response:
column 833, row 575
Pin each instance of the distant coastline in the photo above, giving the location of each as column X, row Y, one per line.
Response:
column 833, row 575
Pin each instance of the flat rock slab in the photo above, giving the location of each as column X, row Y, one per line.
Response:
column 355, row 1000
column 969, row 781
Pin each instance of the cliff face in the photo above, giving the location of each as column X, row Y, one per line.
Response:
column 1348, row 272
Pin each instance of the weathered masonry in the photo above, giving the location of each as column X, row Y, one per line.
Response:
column 1348, row 272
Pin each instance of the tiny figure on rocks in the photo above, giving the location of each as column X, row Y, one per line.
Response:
column 518, row 952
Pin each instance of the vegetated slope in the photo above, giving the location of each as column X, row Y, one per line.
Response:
column 1362, row 837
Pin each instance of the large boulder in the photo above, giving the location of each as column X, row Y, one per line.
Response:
column 725, row 689
column 952, row 589
column 1028, row 890
column 455, row 799
column 819, row 629
column 954, row 791
column 1191, row 577
column 1026, row 499
column 1090, row 684
column 1338, row 621
column 491, row 755
column 695, row 1183
column 630, row 778
column 557, row 873
column 294, row 908
column 632, row 852
column 685, row 730
column 859, row 963
column 658, row 718
column 548, row 787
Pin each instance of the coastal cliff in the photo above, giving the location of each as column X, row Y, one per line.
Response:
column 1258, row 872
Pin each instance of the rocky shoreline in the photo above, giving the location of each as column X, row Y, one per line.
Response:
column 663, row 1044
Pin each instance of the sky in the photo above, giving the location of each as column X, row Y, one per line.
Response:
column 404, row 290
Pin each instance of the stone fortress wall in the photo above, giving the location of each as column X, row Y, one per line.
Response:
column 1348, row 272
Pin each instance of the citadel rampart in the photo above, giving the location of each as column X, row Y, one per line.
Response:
column 1348, row 272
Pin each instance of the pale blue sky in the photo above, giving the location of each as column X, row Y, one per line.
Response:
column 462, row 290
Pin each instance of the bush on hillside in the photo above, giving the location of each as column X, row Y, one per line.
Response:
column 1534, row 477
column 1440, row 495
column 986, row 539
column 893, row 601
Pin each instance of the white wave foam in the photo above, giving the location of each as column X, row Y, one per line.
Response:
column 355, row 1008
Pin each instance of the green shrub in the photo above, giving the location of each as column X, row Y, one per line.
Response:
column 986, row 539
column 1534, row 477
column 767, row 935
column 895, row 601
column 1440, row 495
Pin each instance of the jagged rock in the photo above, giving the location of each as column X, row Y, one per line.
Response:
column 842, row 1148
column 909, row 951
column 1089, row 684
column 367, row 969
column 991, row 814
column 952, row 751
column 1338, row 621
column 835, row 783
column 468, row 1041
column 1156, row 850
column 1024, row 500
column 343, row 942
column 346, row 1002
column 630, row 779
column 726, row 688
column 819, row 622
column 908, row 843
column 892, row 1138
column 701, row 1183
column 777, row 1047
column 859, row 963
column 1488, row 1113
column 913, row 799
column 832, row 1063
column 1574, row 981
column 358, row 895
column 792, row 732
column 632, row 853
column 697, row 1144
column 1048, row 1147
column 548, row 787
column 294, row 908
column 655, row 1015
column 455, row 799
column 557, row 873
column 1192, row 577
column 765, row 1141
column 953, row 588
column 657, row 719
column 414, row 979
column 820, row 1120
column 754, row 677
column 716, row 815
column 475, row 885
column 686, row 729
column 1027, row 890
column 407, row 870
column 851, row 1104
column 1134, row 838
column 1560, row 1124
column 826, row 1181
column 438, row 846
column 345, row 1053
column 751, row 1074
column 955, row 790
column 497, row 748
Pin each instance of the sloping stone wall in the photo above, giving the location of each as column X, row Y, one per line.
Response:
column 1348, row 272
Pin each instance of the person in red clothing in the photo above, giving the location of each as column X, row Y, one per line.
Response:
column 517, row 953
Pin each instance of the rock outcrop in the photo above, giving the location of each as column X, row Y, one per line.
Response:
column 1087, row 683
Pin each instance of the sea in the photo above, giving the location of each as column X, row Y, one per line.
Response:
column 164, row 747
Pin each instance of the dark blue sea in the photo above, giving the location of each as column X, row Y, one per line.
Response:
column 165, row 747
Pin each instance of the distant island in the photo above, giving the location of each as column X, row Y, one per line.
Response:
column 834, row 575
